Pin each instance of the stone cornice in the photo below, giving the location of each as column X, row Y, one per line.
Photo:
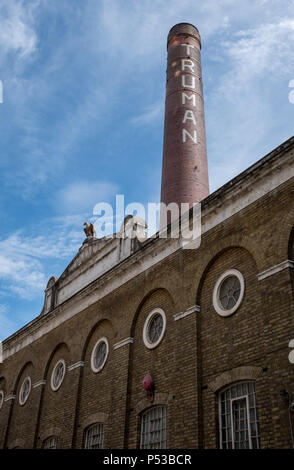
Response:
column 76, row 365
column 123, row 342
column 187, row 312
column 275, row 269
column 10, row 397
column 39, row 384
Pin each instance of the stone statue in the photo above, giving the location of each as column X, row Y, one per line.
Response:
column 89, row 230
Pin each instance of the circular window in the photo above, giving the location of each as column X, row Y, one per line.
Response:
column 154, row 328
column 58, row 375
column 228, row 292
column 99, row 354
column 1, row 398
column 25, row 390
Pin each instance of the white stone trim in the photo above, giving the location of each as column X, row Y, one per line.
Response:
column 146, row 327
column 123, row 342
column 291, row 354
column 10, row 397
column 38, row 384
column 275, row 269
column 215, row 296
column 76, row 365
column 193, row 309
column 20, row 400
column 94, row 368
column 1, row 398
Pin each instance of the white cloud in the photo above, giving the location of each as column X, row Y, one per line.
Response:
column 7, row 325
column 150, row 115
column 82, row 196
column 25, row 258
column 241, row 107
column 16, row 33
column 22, row 275
column 266, row 49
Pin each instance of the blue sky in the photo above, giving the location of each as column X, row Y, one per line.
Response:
column 83, row 108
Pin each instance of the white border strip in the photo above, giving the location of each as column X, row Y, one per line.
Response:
column 123, row 342
column 76, row 365
column 275, row 269
column 10, row 397
column 38, row 384
column 194, row 309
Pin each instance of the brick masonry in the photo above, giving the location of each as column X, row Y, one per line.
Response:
column 199, row 355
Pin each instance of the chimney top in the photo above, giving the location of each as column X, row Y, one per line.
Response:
column 186, row 29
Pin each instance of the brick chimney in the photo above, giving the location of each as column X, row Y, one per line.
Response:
column 184, row 168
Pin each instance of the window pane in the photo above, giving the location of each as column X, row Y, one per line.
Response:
column 94, row 437
column 50, row 443
column 230, row 292
column 153, row 428
column 238, row 416
column 155, row 328
column 100, row 355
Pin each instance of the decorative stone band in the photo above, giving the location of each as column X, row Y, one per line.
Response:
column 39, row 384
column 160, row 398
column 17, row 443
column 275, row 269
column 52, row 431
column 194, row 309
column 76, row 365
column 234, row 375
column 123, row 342
column 98, row 417
column 10, row 397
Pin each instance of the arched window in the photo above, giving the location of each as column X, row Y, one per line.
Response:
column 94, row 437
column 50, row 443
column 238, row 417
column 153, row 428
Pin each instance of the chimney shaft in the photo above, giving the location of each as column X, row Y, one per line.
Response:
column 184, row 169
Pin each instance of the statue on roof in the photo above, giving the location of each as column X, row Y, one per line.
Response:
column 89, row 230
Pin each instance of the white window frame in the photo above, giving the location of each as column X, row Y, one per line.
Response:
column 241, row 397
column 87, row 435
column 94, row 368
column 148, row 413
column 56, row 387
column 22, row 402
column 1, row 398
column 248, row 419
column 148, row 320
column 50, row 438
column 216, row 292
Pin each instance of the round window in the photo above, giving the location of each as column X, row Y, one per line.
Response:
column 25, row 390
column 1, row 398
column 154, row 328
column 99, row 354
column 58, row 375
column 228, row 292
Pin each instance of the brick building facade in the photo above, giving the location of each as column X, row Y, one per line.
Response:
column 210, row 325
